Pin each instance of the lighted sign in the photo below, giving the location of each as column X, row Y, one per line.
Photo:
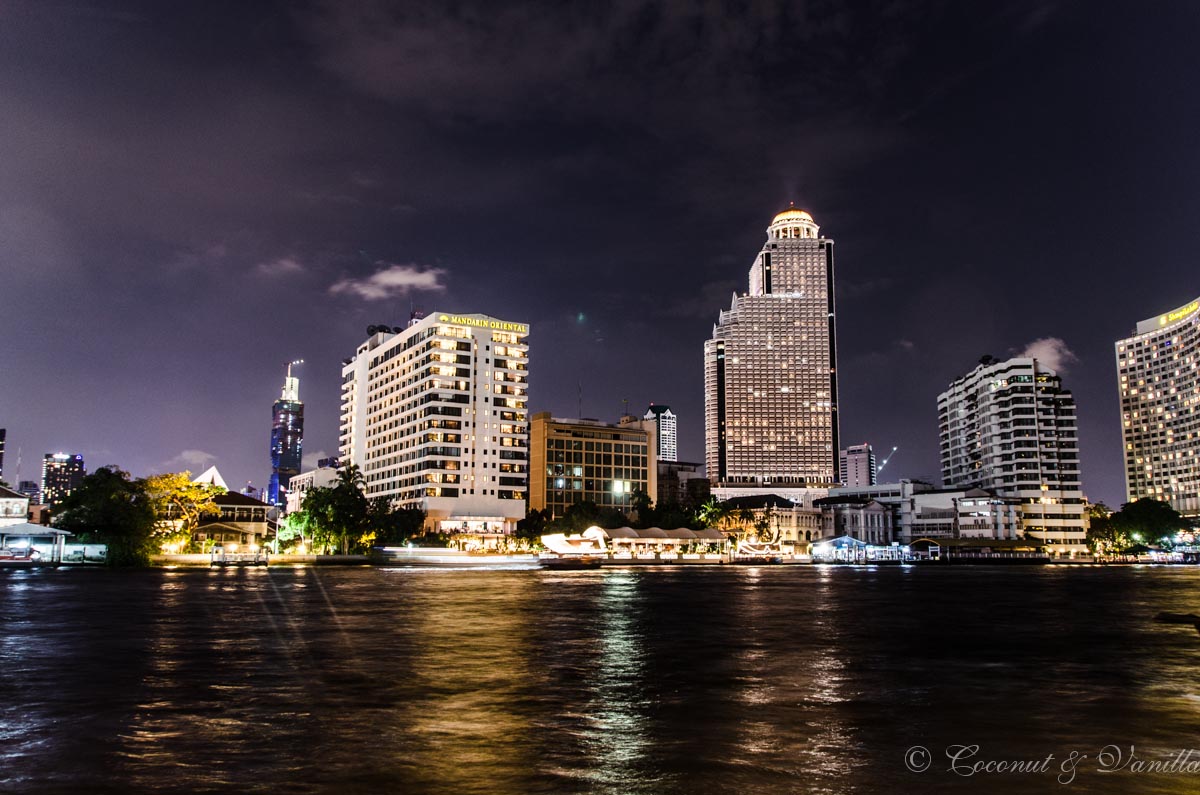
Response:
column 498, row 325
column 1179, row 314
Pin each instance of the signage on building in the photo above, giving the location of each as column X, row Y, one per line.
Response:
column 498, row 325
column 1179, row 314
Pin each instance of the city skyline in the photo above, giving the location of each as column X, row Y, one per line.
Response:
column 188, row 187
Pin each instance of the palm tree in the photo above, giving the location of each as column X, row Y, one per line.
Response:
column 713, row 513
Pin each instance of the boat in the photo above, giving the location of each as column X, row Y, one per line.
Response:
column 18, row 556
column 569, row 562
column 439, row 557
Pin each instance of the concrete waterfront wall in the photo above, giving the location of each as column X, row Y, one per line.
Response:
column 274, row 560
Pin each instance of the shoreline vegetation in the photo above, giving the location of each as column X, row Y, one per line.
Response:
column 141, row 519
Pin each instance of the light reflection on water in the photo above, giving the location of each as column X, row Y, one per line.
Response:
column 730, row 679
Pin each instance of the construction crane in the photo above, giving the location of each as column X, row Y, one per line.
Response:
column 884, row 462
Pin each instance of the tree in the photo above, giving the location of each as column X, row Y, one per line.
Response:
column 339, row 515
column 763, row 525
column 531, row 529
column 643, row 509
column 1148, row 521
column 714, row 513
column 390, row 525
column 179, row 504
column 109, row 508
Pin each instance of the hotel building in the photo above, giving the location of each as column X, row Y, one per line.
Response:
column 587, row 460
column 770, row 382
column 1158, row 371
column 1010, row 427
column 434, row 415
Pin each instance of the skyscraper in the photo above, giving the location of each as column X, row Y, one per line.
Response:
column 435, row 416
column 857, row 466
column 61, row 474
column 770, row 369
column 665, row 432
column 287, row 437
column 1010, row 427
column 1158, row 371
column 3, row 433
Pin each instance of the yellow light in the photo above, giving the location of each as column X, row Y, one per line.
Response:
column 231, row 547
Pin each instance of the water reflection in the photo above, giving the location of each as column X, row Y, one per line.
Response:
column 732, row 679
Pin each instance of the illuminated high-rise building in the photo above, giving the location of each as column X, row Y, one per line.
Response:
column 665, row 433
column 857, row 464
column 435, row 416
column 1010, row 427
column 770, row 369
column 1158, row 371
column 61, row 474
column 287, row 438
column 3, row 433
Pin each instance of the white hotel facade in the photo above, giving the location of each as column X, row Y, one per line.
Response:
column 1158, row 371
column 435, row 416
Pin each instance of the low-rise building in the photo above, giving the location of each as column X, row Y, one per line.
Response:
column 921, row 511
column 299, row 485
column 863, row 519
column 14, row 507
column 242, row 520
column 786, row 521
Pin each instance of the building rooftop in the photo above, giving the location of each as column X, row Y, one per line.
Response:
column 792, row 214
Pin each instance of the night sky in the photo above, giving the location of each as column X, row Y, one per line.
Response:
column 193, row 194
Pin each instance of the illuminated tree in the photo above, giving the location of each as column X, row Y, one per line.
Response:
column 179, row 505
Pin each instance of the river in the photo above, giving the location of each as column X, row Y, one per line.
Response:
column 804, row 679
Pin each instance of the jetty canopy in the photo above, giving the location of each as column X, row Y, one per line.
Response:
column 32, row 532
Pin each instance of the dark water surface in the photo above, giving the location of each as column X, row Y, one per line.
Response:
column 730, row 679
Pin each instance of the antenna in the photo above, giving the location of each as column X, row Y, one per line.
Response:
column 289, row 366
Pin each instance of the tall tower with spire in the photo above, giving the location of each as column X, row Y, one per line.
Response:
column 770, row 368
column 287, row 437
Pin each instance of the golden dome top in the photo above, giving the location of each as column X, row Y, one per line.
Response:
column 792, row 214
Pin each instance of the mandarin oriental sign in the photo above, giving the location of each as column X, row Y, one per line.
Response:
column 497, row 325
column 1179, row 314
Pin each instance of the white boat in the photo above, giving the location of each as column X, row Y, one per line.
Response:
column 449, row 558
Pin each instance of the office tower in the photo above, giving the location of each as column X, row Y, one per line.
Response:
column 1158, row 371
column 666, row 436
column 585, row 460
column 3, row 433
column 770, row 369
column 61, row 474
column 434, row 415
column 1010, row 427
column 287, row 438
column 857, row 466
